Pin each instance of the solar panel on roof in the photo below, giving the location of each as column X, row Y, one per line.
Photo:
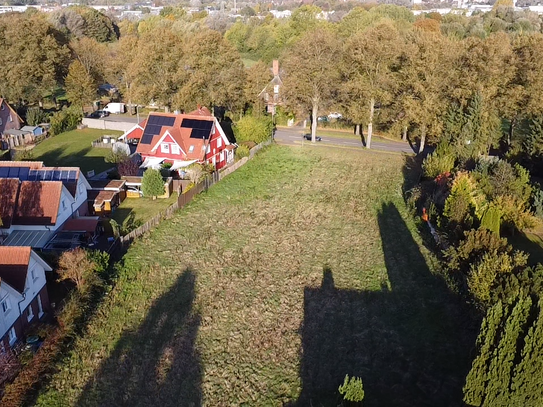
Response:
column 4, row 171
column 146, row 138
column 198, row 133
column 72, row 176
column 56, row 175
column 32, row 175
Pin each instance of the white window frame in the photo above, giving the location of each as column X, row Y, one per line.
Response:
column 5, row 304
column 165, row 148
column 175, row 149
column 191, row 149
column 12, row 336
column 208, row 150
column 221, row 156
column 219, row 142
column 29, row 313
column 40, row 307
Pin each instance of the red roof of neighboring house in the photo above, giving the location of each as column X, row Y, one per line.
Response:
column 200, row 111
column 107, row 184
column 181, row 136
column 8, row 197
column 33, row 165
column 14, row 266
column 136, row 131
column 38, row 203
column 81, row 224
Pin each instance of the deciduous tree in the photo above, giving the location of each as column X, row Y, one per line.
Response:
column 312, row 75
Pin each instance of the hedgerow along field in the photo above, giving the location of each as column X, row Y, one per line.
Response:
column 302, row 266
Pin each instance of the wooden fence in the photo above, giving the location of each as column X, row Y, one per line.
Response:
column 186, row 197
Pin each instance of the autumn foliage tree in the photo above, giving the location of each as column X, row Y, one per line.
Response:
column 76, row 266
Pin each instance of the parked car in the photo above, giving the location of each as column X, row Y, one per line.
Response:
column 98, row 114
column 335, row 116
column 322, row 118
column 308, row 137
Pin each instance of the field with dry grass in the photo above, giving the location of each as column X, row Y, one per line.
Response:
column 297, row 269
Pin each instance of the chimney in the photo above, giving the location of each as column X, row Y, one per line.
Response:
column 275, row 67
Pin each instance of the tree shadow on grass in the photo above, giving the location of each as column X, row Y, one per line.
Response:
column 406, row 341
column 157, row 364
column 58, row 158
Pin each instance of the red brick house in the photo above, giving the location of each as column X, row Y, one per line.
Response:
column 182, row 139
column 23, row 292
column 9, row 119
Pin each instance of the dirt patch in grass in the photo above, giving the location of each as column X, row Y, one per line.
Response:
column 297, row 269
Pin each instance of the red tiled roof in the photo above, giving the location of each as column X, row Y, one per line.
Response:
column 38, row 203
column 181, row 135
column 8, row 197
column 81, row 224
column 14, row 266
column 33, row 165
column 201, row 111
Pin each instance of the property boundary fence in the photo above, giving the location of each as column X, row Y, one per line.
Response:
column 186, row 197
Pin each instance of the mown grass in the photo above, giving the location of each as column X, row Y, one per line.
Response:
column 73, row 149
column 141, row 209
column 227, row 303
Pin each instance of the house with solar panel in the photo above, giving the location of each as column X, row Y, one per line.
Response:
column 37, row 203
column 182, row 139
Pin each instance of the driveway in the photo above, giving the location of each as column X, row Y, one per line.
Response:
column 293, row 136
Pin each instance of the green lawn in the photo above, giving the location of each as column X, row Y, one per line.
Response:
column 299, row 268
column 348, row 134
column 141, row 209
column 73, row 149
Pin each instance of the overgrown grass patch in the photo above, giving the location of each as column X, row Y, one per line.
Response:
column 297, row 269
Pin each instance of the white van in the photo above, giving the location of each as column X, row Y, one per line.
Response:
column 115, row 108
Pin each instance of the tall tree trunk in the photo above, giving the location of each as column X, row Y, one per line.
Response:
column 422, row 139
column 370, row 123
column 404, row 135
column 511, row 131
column 357, row 130
column 314, row 122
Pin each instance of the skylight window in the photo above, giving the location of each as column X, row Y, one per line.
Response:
column 191, row 149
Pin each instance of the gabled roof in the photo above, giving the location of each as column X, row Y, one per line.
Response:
column 14, row 266
column 2, row 101
column 186, row 130
column 135, row 132
column 38, row 203
column 8, row 197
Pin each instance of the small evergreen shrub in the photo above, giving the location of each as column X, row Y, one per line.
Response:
column 441, row 161
column 152, row 183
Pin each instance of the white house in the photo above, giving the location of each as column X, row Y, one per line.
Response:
column 37, row 201
column 23, row 292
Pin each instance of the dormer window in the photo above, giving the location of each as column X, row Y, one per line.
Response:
column 165, row 147
column 191, row 149
column 5, row 305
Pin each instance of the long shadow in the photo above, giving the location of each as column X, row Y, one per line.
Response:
column 157, row 364
column 406, row 341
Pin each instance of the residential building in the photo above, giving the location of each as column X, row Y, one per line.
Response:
column 182, row 139
column 36, row 201
column 23, row 292
column 9, row 119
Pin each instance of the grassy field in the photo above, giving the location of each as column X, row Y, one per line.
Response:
column 73, row 149
column 299, row 268
column 142, row 209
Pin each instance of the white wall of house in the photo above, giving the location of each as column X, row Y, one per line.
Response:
column 17, row 302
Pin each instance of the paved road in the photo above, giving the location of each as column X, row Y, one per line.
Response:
column 293, row 136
